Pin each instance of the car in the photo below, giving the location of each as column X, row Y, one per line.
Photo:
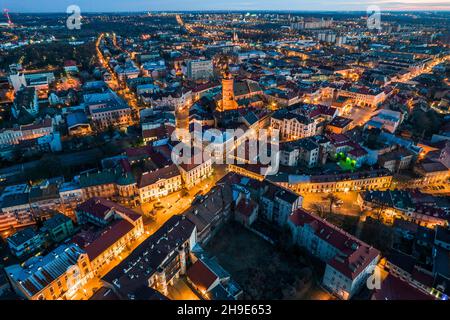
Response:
column 158, row 205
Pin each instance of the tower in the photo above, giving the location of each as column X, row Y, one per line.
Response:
column 228, row 101
column 235, row 37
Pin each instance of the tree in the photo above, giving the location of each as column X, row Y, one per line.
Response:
column 378, row 210
column 333, row 199
column 318, row 209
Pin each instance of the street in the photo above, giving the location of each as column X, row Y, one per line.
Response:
column 349, row 207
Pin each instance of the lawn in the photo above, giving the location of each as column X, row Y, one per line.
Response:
column 262, row 270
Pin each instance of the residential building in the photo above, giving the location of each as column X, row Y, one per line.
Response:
column 292, row 126
column 199, row 69
column 159, row 183
column 158, row 261
column 349, row 261
column 57, row 275
column 120, row 228
column 58, row 228
column 192, row 173
column 26, row 242
column 246, row 211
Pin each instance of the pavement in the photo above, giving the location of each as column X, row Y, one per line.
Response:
column 349, row 207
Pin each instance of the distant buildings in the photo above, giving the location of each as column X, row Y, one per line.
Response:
column 312, row 23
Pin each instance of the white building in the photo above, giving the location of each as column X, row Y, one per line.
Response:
column 292, row 126
column 199, row 69
column 159, row 183
column 193, row 173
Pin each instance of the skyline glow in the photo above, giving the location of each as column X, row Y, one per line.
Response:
column 196, row 5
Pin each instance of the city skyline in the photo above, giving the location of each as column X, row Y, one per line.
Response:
column 48, row 6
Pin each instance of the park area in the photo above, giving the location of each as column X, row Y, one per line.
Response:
column 263, row 270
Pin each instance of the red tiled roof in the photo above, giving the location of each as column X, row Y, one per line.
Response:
column 99, row 207
column 246, row 207
column 70, row 63
column 113, row 234
column 356, row 254
column 149, row 178
column 394, row 288
column 201, row 275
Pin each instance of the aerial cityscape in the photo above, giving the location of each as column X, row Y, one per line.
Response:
column 225, row 151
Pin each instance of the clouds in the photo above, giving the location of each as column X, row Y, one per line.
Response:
column 149, row 5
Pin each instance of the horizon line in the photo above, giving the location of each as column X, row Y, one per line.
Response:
column 231, row 11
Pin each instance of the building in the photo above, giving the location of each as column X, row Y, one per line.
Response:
column 199, row 69
column 400, row 159
column 107, row 109
column 26, row 242
column 228, row 98
column 57, row 275
column 303, row 151
column 395, row 288
column 193, row 173
column 386, row 119
column 158, row 261
column 210, row 211
column 113, row 184
column 32, row 131
column 432, row 172
column 78, row 123
column 211, row 281
column 246, row 211
column 339, row 182
column 25, row 103
column 339, row 125
column 292, row 126
column 159, row 183
column 58, row 228
column 120, row 228
column 278, row 203
column 349, row 261
column 16, row 211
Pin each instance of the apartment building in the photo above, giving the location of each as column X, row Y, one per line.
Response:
column 57, row 275
column 159, row 183
column 292, row 126
column 349, row 261
column 120, row 228
column 199, row 69
column 157, row 261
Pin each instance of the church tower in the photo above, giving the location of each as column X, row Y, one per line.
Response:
column 228, row 101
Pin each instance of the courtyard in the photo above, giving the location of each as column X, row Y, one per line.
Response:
column 263, row 270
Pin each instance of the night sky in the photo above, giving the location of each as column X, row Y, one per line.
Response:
column 150, row 5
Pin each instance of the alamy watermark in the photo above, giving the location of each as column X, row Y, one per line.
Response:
column 373, row 282
column 232, row 146
column 74, row 19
